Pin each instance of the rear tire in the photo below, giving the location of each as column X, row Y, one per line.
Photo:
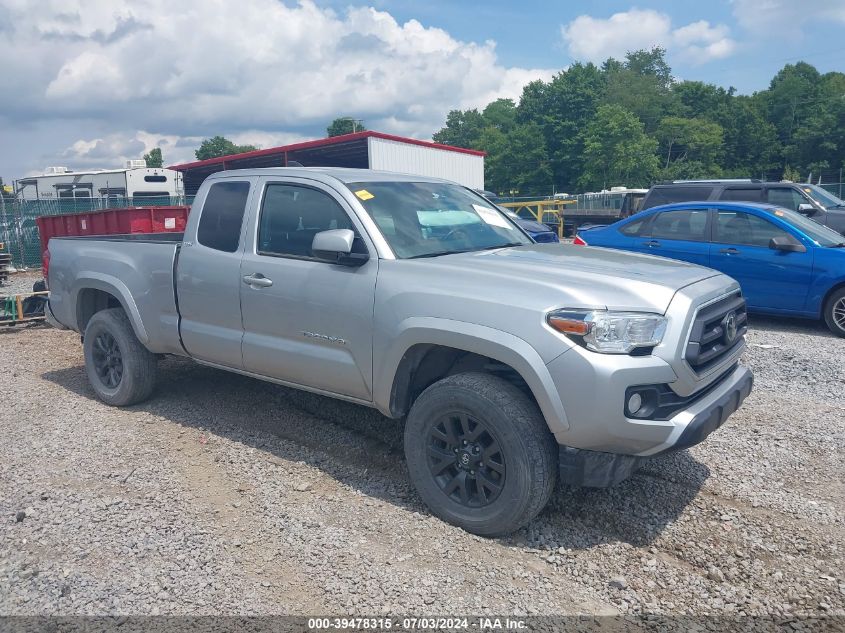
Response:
column 120, row 369
column 834, row 312
column 480, row 453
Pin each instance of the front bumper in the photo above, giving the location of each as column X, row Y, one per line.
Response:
column 601, row 469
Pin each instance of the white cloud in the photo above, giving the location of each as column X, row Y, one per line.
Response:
column 595, row 39
column 771, row 17
column 201, row 67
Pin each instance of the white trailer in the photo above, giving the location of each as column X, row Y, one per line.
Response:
column 105, row 187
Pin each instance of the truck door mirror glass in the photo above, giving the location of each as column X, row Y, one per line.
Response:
column 786, row 245
column 806, row 209
column 335, row 245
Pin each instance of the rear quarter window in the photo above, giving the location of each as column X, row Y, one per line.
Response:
column 637, row 228
column 668, row 195
column 747, row 194
column 223, row 215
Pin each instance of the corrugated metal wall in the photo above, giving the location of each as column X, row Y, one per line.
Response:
column 405, row 158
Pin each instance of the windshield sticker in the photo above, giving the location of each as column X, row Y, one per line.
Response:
column 363, row 194
column 491, row 217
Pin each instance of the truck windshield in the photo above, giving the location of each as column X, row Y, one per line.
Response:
column 427, row 219
column 823, row 197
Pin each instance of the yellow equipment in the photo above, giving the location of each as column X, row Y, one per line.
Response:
column 543, row 211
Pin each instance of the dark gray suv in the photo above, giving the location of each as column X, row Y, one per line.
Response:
column 810, row 200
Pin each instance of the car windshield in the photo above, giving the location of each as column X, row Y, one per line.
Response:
column 427, row 219
column 822, row 196
column 819, row 233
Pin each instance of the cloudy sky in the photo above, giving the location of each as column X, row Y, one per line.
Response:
column 90, row 83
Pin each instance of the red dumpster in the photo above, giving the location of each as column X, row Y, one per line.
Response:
column 110, row 222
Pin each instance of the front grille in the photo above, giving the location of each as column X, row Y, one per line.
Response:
column 710, row 336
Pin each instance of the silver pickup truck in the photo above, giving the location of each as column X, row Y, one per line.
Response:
column 513, row 364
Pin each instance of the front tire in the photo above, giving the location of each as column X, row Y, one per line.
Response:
column 480, row 453
column 834, row 312
column 120, row 369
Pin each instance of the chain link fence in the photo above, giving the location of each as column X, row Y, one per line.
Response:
column 19, row 233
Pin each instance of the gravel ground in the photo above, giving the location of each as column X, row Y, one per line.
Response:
column 20, row 282
column 201, row 501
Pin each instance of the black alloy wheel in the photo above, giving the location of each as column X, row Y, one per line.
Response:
column 108, row 360
column 466, row 460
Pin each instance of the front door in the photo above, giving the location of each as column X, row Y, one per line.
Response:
column 770, row 279
column 208, row 280
column 306, row 321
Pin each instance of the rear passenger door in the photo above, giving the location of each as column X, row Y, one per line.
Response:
column 770, row 279
column 680, row 234
column 308, row 322
column 208, row 282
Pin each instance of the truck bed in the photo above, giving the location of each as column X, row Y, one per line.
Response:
column 136, row 269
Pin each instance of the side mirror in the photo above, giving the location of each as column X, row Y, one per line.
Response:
column 786, row 245
column 806, row 209
column 335, row 246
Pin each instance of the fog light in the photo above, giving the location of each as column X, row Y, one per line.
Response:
column 635, row 402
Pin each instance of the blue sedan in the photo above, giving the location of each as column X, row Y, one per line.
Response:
column 786, row 263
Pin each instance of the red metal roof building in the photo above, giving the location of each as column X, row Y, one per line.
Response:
column 373, row 150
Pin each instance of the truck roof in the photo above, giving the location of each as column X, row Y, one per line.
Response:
column 327, row 174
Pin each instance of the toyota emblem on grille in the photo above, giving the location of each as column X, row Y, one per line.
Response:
column 729, row 326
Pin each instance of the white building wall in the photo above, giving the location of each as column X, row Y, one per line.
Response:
column 405, row 158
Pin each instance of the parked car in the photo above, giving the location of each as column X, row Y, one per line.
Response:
column 810, row 200
column 515, row 364
column 786, row 263
column 540, row 233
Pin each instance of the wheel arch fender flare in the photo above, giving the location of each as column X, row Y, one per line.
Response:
column 93, row 280
column 478, row 339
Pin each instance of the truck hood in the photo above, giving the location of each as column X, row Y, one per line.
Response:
column 564, row 275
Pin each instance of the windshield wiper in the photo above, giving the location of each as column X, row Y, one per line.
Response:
column 467, row 250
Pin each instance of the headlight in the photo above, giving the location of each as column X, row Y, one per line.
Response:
column 609, row 332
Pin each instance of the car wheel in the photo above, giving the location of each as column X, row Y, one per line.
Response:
column 834, row 312
column 480, row 453
column 120, row 369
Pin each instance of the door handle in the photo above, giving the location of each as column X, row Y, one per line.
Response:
column 651, row 243
column 257, row 280
column 729, row 251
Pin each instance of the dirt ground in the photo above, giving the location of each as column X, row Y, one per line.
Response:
column 223, row 494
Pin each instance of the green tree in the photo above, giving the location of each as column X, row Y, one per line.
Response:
column 220, row 146
column 462, row 129
column 154, row 158
column 641, row 84
column 617, row 150
column 562, row 108
column 698, row 99
column 516, row 159
column 500, row 114
column 751, row 146
column 345, row 125
column 690, row 148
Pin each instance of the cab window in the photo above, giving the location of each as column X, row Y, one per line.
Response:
column 292, row 215
column 736, row 227
column 688, row 225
